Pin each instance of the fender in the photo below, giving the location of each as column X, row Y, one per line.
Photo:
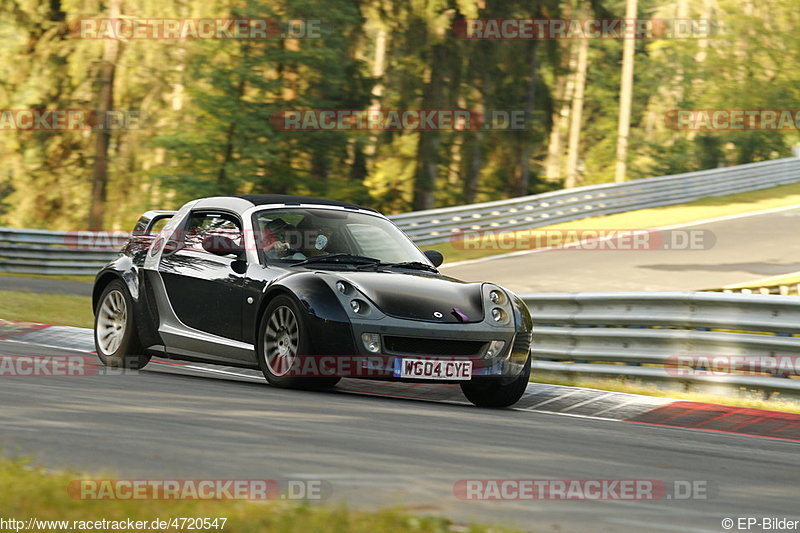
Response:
column 524, row 326
column 330, row 330
column 124, row 269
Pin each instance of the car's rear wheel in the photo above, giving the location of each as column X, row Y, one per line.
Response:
column 492, row 393
column 282, row 342
column 115, row 337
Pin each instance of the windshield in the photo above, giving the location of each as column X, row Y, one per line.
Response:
column 292, row 235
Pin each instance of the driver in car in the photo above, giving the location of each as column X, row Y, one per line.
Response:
column 282, row 240
column 276, row 238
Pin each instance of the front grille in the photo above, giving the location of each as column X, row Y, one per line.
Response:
column 418, row 346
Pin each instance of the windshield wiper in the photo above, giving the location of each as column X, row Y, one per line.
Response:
column 338, row 258
column 416, row 265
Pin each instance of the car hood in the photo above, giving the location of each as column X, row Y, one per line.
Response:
column 419, row 296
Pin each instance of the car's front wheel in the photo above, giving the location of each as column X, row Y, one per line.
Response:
column 282, row 342
column 115, row 337
column 491, row 393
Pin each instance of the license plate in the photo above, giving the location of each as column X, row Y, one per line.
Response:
column 433, row 369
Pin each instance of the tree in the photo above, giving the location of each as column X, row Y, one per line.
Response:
column 105, row 104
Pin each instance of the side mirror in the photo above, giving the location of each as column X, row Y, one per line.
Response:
column 222, row 245
column 434, row 257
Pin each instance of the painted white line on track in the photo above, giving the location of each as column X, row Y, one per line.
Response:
column 590, row 400
column 533, row 407
column 573, row 415
column 224, row 372
column 631, row 402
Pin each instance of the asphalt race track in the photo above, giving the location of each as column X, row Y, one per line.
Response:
column 171, row 421
column 379, row 444
column 745, row 247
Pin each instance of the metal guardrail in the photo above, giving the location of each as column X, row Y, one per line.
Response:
column 30, row 251
column 439, row 225
column 642, row 334
column 49, row 252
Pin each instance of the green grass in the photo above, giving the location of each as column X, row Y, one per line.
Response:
column 28, row 491
column 751, row 400
column 733, row 204
column 60, row 309
column 64, row 277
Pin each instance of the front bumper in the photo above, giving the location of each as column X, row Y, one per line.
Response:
column 507, row 363
column 422, row 339
column 357, row 362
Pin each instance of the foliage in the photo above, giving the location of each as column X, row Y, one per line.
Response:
column 209, row 107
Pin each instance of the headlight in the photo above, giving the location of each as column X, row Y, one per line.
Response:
column 498, row 315
column 498, row 307
column 497, row 297
column 353, row 302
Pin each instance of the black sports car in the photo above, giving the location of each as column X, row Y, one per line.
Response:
column 308, row 290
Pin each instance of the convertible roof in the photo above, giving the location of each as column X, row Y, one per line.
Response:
column 263, row 199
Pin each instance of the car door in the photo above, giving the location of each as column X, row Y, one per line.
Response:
column 204, row 290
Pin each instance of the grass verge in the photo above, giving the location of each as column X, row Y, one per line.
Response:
column 31, row 492
column 61, row 309
column 747, row 399
column 772, row 281
column 783, row 196
column 63, row 277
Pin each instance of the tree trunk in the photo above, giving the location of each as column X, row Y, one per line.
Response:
column 527, row 141
column 434, row 96
column 378, row 68
column 576, row 114
column 105, row 103
column 565, row 86
column 625, row 98
column 473, row 163
column 426, row 170
column 230, row 136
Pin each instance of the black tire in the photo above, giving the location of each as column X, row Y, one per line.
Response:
column 492, row 393
column 113, row 317
column 298, row 345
